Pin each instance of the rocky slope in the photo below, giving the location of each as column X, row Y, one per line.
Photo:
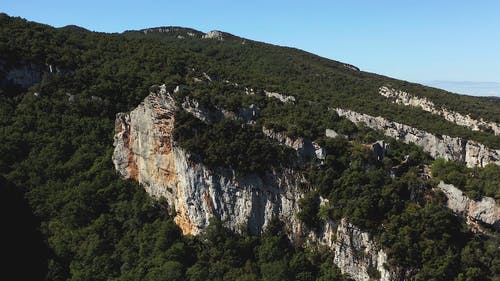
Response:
column 450, row 115
column 305, row 147
column 354, row 252
column 281, row 97
column 145, row 152
column 450, row 148
column 485, row 211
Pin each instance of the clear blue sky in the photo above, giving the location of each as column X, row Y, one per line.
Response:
column 418, row 41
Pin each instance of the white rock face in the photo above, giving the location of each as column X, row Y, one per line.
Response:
column 331, row 133
column 485, row 211
column 193, row 106
column 214, row 34
column 295, row 143
column 319, row 151
column 145, row 152
column 281, row 97
column 158, row 29
column 172, row 29
column 354, row 252
column 427, row 105
column 450, row 148
column 304, row 146
column 380, row 149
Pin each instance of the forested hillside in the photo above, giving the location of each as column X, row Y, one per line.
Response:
column 61, row 88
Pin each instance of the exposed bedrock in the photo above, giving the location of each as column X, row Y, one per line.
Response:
column 484, row 211
column 407, row 99
column 470, row 152
column 145, row 152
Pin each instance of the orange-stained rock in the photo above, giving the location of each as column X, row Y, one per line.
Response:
column 145, row 152
column 183, row 221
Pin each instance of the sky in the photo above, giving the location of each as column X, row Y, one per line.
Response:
column 433, row 42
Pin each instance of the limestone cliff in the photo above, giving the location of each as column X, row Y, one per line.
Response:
column 215, row 34
column 450, row 115
column 484, row 211
column 192, row 106
column 281, row 97
column 355, row 253
column 145, row 152
column 24, row 74
column 304, row 146
column 449, row 148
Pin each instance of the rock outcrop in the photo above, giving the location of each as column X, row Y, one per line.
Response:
column 450, row 115
column 350, row 67
column 179, row 32
column 281, row 97
column 355, row 253
column 450, row 148
column 380, row 149
column 214, row 34
column 247, row 114
column 484, row 211
column 304, row 146
column 23, row 74
column 204, row 114
column 331, row 133
column 145, row 152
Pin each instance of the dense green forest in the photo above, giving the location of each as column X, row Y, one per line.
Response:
column 88, row 224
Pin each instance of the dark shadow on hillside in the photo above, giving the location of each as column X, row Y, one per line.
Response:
column 23, row 252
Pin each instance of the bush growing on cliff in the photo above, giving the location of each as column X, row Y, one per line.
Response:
column 309, row 209
column 476, row 182
column 231, row 144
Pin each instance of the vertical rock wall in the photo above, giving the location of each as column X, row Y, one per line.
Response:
column 484, row 211
column 450, row 115
column 449, row 148
column 354, row 252
column 145, row 152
